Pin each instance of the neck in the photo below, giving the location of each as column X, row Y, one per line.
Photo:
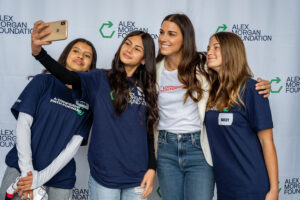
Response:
column 172, row 61
column 130, row 70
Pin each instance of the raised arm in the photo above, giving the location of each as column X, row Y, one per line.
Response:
column 59, row 71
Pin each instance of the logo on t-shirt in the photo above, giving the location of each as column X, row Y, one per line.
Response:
column 137, row 99
column 78, row 108
column 170, row 88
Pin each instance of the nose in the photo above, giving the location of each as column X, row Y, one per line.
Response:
column 162, row 37
column 129, row 49
column 209, row 51
column 80, row 55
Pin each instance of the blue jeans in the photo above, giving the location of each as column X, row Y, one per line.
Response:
column 182, row 170
column 99, row 192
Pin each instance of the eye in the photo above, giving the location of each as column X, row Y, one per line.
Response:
column 161, row 32
column 75, row 51
column 88, row 56
column 127, row 42
column 172, row 34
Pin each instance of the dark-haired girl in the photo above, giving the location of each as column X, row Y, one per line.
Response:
column 124, row 105
column 51, row 126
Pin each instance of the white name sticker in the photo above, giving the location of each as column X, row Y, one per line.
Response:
column 225, row 119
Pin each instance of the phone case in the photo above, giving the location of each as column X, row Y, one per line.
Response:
column 59, row 31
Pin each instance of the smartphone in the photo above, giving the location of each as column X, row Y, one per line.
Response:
column 59, row 31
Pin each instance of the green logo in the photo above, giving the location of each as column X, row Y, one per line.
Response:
column 158, row 192
column 80, row 111
column 277, row 80
column 279, row 187
column 108, row 25
column 223, row 28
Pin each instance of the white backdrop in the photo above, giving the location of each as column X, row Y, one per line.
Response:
column 269, row 28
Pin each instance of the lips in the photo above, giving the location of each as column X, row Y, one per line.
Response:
column 78, row 62
column 164, row 46
column 127, row 56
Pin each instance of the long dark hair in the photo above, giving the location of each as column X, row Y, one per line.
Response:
column 191, row 62
column 143, row 77
column 64, row 55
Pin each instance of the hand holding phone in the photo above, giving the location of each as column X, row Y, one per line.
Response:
column 59, row 31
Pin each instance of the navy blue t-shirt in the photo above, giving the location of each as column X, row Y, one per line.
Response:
column 118, row 151
column 239, row 166
column 56, row 118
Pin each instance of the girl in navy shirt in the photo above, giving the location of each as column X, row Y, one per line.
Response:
column 239, row 125
column 51, row 125
column 124, row 105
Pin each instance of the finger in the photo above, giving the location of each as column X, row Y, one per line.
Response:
column 147, row 191
column 37, row 23
column 31, row 195
column 26, row 178
column 263, row 92
column 25, row 196
column 20, row 193
column 17, row 190
column 266, row 95
column 42, row 26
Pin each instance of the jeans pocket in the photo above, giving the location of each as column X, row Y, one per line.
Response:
column 196, row 142
column 161, row 140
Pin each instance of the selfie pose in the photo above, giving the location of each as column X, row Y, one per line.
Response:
column 124, row 104
column 51, row 126
column 184, row 163
column 239, row 125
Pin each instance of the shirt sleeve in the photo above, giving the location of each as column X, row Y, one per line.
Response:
column 23, row 143
column 258, row 108
column 29, row 99
column 90, row 83
column 41, row 177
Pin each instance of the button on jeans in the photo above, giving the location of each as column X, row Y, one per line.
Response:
column 183, row 172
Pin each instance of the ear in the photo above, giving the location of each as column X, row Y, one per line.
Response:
column 143, row 62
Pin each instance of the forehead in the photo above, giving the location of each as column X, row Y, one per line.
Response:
column 170, row 26
column 83, row 46
column 136, row 40
column 213, row 40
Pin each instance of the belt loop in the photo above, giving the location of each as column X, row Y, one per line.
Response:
column 193, row 138
column 165, row 136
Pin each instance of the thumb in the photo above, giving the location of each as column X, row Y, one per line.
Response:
column 143, row 184
column 29, row 173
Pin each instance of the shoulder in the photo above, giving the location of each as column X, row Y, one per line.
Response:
column 42, row 78
column 250, row 84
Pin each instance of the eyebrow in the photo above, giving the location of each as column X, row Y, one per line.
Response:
column 135, row 45
column 169, row 31
column 74, row 47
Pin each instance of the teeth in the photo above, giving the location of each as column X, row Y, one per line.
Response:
column 164, row 46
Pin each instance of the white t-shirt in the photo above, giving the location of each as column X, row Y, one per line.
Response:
column 175, row 115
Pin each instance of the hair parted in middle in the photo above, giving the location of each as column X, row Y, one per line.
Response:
column 143, row 77
column 191, row 62
column 229, row 83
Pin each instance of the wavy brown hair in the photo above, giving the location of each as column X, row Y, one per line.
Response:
column 191, row 62
column 228, row 85
column 143, row 77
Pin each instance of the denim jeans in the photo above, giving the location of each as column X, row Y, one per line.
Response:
column 99, row 192
column 183, row 172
